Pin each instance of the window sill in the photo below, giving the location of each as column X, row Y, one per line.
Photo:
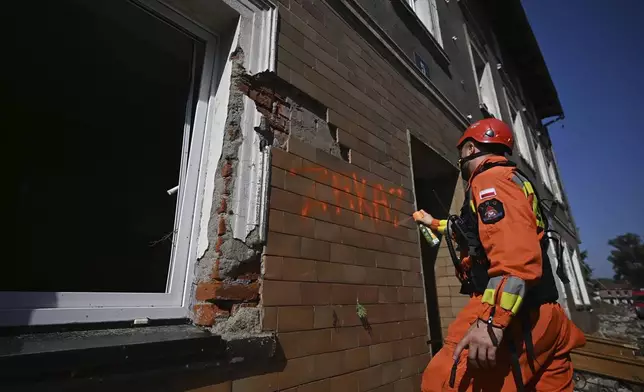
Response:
column 78, row 356
column 420, row 31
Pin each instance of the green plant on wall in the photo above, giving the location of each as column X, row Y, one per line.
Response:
column 361, row 311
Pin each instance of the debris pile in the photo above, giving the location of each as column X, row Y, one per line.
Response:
column 619, row 322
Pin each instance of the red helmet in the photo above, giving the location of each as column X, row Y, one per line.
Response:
column 489, row 130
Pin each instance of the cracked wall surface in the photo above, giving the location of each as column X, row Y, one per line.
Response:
column 228, row 273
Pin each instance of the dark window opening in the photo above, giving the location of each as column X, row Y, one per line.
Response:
column 434, row 183
column 94, row 101
column 345, row 152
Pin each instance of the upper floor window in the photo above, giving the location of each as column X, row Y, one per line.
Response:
column 428, row 14
column 484, row 81
column 518, row 126
column 543, row 167
column 570, row 273
column 556, row 188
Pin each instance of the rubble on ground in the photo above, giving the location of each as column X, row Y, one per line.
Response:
column 619, row 322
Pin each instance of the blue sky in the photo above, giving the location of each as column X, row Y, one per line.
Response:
column 595, row 53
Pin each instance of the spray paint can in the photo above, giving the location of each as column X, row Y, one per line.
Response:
column 430, row 237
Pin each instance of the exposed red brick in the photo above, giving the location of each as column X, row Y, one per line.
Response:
column 205, row 314
column 236, row 307
column 226, row 169
column 220, row 242
column 223, row 206
column 215, row 275
column 222, row 226
column 227, row 182
column 206, row 290
column 243, row 292
column 227, row 291
column 283, row 110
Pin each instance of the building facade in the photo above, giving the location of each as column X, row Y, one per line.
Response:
column 226, row 187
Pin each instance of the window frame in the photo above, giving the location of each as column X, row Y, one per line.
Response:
column 543, row 167
column 473, row 50
column 46, row 308
column 430, row 19
column 552, row 171
column 520, row 133
column 580, row 278
column 574, row 287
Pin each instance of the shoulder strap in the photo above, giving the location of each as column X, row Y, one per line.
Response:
column 524, row 182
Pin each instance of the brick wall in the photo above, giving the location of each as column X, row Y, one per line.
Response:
column 339, row 232
column 328, row 251
column 368, row 99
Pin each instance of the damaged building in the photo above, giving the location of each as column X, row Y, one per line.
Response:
column 215, row 195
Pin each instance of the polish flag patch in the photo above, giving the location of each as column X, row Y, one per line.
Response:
column 487, row 193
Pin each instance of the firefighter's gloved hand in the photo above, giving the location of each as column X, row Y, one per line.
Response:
column 423, row 217
column 482, row 340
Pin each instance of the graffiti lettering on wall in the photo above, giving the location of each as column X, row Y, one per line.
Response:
column 369, row 201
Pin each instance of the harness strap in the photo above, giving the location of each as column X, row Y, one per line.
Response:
column 527, row 337
column 516, row 366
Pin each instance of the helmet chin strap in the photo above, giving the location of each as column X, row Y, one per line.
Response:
column 468, row 158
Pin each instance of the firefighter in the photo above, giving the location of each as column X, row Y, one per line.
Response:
column 512, row 335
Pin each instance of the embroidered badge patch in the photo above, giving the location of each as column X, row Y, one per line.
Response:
column 487, row 193
column 491, row 211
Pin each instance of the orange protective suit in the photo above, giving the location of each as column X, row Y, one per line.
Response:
column 512, row 245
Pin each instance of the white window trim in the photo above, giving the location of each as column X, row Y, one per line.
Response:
column 259, row 21
column 429, row 18
column 580, row 278
column 487, row 79
column 561, row 288
column 543, row 167
column 552, row 171
column 519, row 128
column 574, row 286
